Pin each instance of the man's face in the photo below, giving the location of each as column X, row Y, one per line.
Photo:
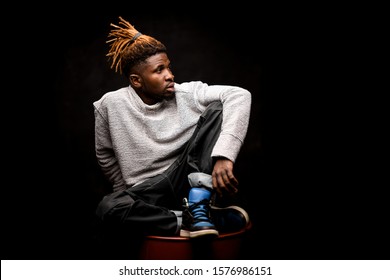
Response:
column 156, row 81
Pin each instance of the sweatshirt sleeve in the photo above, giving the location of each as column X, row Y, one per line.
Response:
column 236, row 102
column 104, row 150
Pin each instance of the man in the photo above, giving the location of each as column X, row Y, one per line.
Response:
column 167, row 148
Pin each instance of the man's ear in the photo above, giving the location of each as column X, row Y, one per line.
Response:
column 135, row 80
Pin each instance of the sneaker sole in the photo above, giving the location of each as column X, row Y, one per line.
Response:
column 184, row 233
column 202, row 233
column 239, row 209
column 199, row 233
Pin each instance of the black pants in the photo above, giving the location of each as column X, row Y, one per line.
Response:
column 146, row 208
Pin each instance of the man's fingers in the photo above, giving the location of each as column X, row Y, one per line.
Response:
column 225, row 183
column 216, row 186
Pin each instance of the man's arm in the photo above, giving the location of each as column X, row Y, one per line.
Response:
column 105, row 153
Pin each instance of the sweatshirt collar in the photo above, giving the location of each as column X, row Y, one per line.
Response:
column 137, row 101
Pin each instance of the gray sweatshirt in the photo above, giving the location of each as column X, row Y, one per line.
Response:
column 135, row 141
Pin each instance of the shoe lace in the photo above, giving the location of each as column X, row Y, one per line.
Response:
column 200, row 210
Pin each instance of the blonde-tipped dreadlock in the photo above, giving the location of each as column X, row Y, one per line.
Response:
column 129, row 47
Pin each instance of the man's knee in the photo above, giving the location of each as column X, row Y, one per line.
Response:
column 213, row 112
column 214, row 106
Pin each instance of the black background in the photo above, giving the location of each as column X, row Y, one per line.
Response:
column 304, row 170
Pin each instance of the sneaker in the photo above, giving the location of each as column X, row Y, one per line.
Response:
column 229, row 219
column 196, row 215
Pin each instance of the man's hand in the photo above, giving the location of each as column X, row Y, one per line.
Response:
column 223, row 177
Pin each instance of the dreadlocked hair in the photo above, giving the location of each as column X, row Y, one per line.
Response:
column 128, row 47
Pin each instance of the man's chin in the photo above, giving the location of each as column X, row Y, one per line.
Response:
column 169, row 96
